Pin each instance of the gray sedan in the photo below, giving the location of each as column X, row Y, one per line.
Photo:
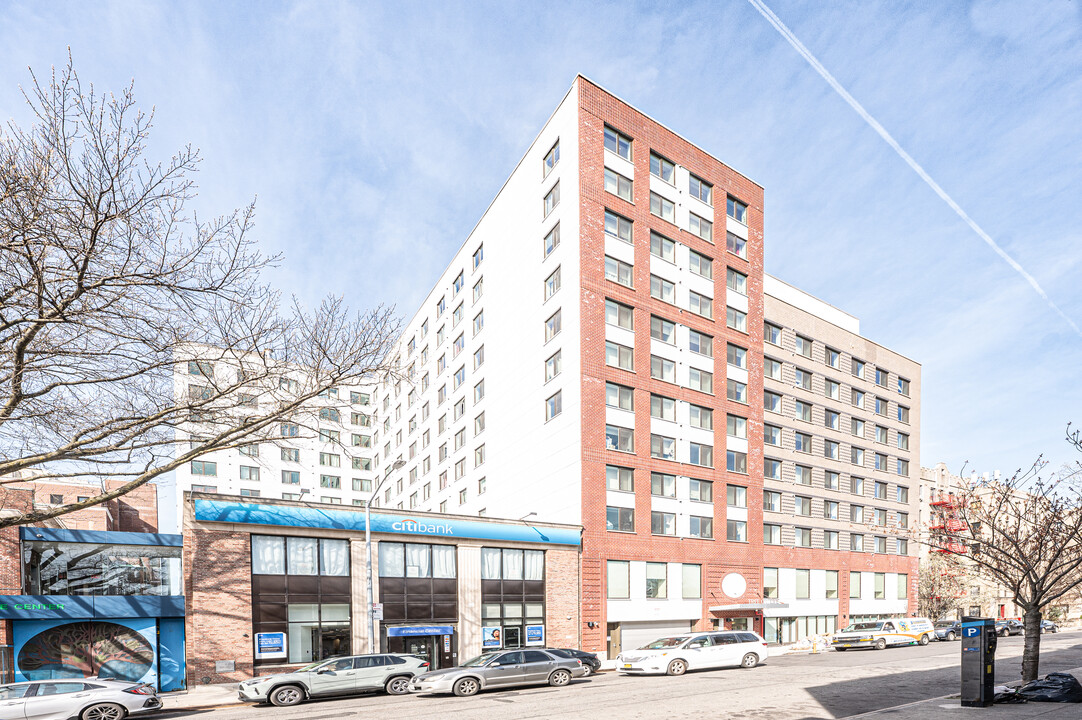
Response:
column 499, row 670
column 84, row 698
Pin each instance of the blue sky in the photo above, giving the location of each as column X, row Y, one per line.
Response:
column 374, row 136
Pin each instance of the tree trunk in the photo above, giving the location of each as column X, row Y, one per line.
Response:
column 1031, row 654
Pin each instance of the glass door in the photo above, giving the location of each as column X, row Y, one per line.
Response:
column 512, row 636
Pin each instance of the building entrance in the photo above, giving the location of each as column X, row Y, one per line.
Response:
column 434, row 643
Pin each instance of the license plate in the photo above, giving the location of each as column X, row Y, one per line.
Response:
column 847, row 644
column 627, row 665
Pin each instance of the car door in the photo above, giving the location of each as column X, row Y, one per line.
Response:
column 13, row 701
column 333, row 678
column 698, row 652
column 505, row 669
column 536, row 666
column 727, row 650
column 369, row 671
column 55, row 700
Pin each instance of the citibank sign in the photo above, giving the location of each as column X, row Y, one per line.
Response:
column 421, row 528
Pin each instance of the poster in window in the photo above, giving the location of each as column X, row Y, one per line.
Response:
column 535, row 634
column 270, row 646
column 490, row 637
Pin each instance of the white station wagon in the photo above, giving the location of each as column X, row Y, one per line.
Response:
column 677, row 654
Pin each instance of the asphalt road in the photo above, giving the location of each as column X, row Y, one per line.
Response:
column 795, row 687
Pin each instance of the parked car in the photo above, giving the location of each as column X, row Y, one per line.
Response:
column 336, row 676
column 509, row 668
column 589, row 660
column 948, row 630
column 677, row 654
column 1009, row 627
column 1047, row 626
column 881, row 633
column 83, row 698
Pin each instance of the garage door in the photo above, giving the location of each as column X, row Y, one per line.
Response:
column 636, row 634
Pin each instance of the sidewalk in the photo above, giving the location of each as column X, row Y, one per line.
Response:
column 950, row 707
column 201, row 697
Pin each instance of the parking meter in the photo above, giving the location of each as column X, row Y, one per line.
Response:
column 978, row 661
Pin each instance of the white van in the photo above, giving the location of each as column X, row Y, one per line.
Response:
column 881, row 633
column 677, row 654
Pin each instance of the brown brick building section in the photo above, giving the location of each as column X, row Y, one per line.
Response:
column 717, row 556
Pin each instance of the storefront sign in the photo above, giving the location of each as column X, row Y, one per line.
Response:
column 490, row 637
column 414, row 630
column 69, row 607
column 207, row 510
column 270, row 646
column 11, row 607
column 535, row 634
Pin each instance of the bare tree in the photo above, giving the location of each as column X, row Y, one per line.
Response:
column 110, row 290
column 940, row 586
column 1024, row 533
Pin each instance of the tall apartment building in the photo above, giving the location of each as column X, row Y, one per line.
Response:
column 841, row 441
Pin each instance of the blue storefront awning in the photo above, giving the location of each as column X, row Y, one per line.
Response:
column 60, row 607
column 410, row 630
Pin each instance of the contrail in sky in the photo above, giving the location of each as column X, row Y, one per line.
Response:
column 806, row 54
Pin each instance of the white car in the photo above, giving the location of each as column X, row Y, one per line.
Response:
column 83, row 698
column 881, row 633
column 680, row 653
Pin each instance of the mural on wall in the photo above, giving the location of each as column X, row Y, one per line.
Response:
column 86, row 648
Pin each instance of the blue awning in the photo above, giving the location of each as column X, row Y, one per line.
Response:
column 408, row 630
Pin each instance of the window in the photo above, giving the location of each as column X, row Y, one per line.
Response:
column 458, row 346
column 662, row 207
column 802, row 537
column 701, row 227
column 772, row 469
column 619, row 315
column 291, row 477
column 552, row 283
column 618, row 185
column 552, row 326
column 701, row 527
column 663, row 330
column 621, row 479
column 736, row 496
column 619, row 356
column 656, row 580
column 205, row 468
column 833, row 358
column 552, row 240
column 662, row 447
column 737, row 210
column 830, row 480
column 662, row 289
column 662, row 408
column 618, row 143
column 478, row 360
column 771, row 368
column 691, row 586
column 700, row 343
column 662, row 485
column 736, row 461
column 703, row 305
column 803, row 584
column 831, row 419
column 856, row 542
column 618, row 579
column 903, row 520
column 903, row 494
column 882, row 406
column 619, row 272
column 330, row 459
column 830, row 510
column 701, row 265
column 662, row 523
column 804, row 346
column 619, row 438
column 857, row 368
column 460, row 376
column 736, row 426
column 619, row 396
column 291, row 454
column 736, row 319
column 701, row 490
column 616, row 225
column 736, row 281
column 856, row 513
column 771, row 501
column 661, row 168
column 771, row 401
column 770, row 582
column 903, row 586
column 857, row 456
column 771, row 536
column 479, row 392
column 701, row 189
column 459, row 282
column 880, row 586
column 802, row 442
column 903, row 414
column 330, row 481
column 736, row 245
column 803, row 411
column 903, row 441
column 478, row 425
column 903, row 549
column 662, row 369
column 619, row 519
column 856, row 427
column 736, row 530
column 662, row 247
column 290, row 430
column 802, row 475
column 854, row 585
column 478, row 322
column 903, row 386
column 903, row 467
column 478, row 256
column 552, row 199
column 881, row 434
column 803, row 379
column 856, row 485
column 772, row 435
column 554, row 406
column 880, row 490
column 736, row 356
column 772, row 334
column 551, row 158
column 802, row 505
column 831, row 450
column 830, row 539
column 880, row 461
column 880, row 517
column 553, row 365
column 700, row 380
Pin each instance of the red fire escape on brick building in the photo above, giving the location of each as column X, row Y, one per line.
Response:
column 946, row 525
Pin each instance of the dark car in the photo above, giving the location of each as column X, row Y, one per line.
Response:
column 1009, row 627
column 1047, row 626
column 948, row 630
column 589, row 660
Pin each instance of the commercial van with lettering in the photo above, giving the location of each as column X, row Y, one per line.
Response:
column 881, row 633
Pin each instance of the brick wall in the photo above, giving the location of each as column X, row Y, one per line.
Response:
column 562, row 621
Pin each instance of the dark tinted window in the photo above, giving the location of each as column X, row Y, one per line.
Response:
column 368, row 661
column 748, row 637
column 724, row 639
column 393, row 660
column 343, row 664
column 511, row 658
column 562, row 653
column 533, row 656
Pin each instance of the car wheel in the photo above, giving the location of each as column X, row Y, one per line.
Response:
column 1003, row 633
column 881, row 644
column 840, row 649
column 286, row 695
column 559, row 678
column 589, row 670
column 951, row 636
column 750, row 660
column 677, row 667
column 465, row 687
column 924, row 640
column 398, row 685
column 103, row 711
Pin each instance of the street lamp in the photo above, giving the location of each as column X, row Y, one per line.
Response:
column 396, row 465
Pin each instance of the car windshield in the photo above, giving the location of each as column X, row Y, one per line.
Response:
column 858, row 627
column 313, row 666
column 665, row 643
column 480, row 660
column 945, row 623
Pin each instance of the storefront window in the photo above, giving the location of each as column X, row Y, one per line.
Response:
column 512, row 593
column 414, row 560
column 317, row 631
column 62, row 568
column 299, row 556
column 497, row 564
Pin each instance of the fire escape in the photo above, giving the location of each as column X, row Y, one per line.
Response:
column 945, row 524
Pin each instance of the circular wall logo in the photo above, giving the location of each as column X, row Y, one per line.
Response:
column 734, row 585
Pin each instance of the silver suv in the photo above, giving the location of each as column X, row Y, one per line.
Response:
column 337, row 676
